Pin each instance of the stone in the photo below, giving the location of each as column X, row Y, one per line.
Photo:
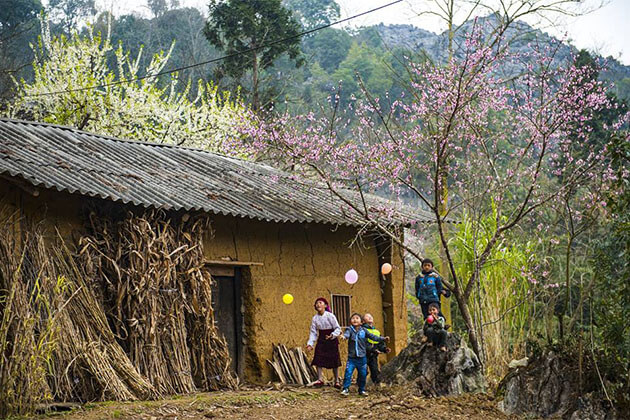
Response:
column 434, row 372
column 518, row 363
column 548, row 387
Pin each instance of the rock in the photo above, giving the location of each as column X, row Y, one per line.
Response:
column 540, row 389
column 436, row 373
column 548, row 387
column 591, row 407
column 518, row 363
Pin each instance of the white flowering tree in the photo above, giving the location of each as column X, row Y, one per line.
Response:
column 74, row 85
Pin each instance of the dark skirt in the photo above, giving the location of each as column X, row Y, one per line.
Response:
column 326, row 351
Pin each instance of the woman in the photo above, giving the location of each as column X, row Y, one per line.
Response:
column 325, row 329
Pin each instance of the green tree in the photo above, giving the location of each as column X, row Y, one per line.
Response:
column 18, row 26
column 612, row 259
column 252, row 25
column 329, row 47
column 368, row 65
column 184, row 26
column 68, row 13
column 143, row 110
column 159, row 7
column 314, row 13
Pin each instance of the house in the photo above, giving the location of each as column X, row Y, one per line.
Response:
column 271, row 234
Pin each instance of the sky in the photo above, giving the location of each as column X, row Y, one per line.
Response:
column 604, row 30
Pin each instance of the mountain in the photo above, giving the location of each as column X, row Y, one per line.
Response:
column 520, row 36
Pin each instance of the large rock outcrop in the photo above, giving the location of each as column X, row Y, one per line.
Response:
column 436, row 373
column 548, row 386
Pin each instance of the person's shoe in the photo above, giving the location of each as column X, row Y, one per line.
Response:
column 363, row 394
column 319, row 383
column 442, row 348
column 337, row 385
column 345, row 392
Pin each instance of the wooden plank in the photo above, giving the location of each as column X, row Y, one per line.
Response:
column 285, row 366
column 311, row 370
column 291, row 367
column 300, row 362
column 278, row 370
column 221, row 271
column 308, row 373
column 278, row 363
column 296, row 367
column 232, row 263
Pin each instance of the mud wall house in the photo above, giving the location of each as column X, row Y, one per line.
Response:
column 269, row 235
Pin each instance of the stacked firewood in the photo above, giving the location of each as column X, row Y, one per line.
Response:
column 291, row 366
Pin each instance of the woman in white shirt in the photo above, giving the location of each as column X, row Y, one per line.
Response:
column 324, row 330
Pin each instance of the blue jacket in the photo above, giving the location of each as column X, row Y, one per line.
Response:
column 357, row 340
column 428, row 287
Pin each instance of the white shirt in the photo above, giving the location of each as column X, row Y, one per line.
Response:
column 327, row 321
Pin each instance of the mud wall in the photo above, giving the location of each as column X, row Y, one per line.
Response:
column 307, row 261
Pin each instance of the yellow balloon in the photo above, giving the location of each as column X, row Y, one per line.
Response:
column 386, row 268
column 287, row 298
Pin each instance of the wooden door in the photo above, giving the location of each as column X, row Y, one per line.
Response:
column 226, row 301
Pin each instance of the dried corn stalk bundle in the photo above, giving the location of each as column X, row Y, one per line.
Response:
column 88, row 363
column 159, row 299
column 55, row 342
column 28, row 305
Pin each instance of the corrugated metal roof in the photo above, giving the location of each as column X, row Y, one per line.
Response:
column 169, row 177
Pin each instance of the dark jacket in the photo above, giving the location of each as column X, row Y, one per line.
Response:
column 357, row 341
column 372, row 345
column 428, row 287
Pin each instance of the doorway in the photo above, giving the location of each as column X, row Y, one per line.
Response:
column 226, row 301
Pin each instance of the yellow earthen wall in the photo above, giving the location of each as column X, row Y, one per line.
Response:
column 306, row 260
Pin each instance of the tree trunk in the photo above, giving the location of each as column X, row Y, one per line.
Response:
column 462, row 304
column 442, row 209
column 255, row 99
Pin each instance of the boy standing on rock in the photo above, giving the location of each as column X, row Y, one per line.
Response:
column 429, row 288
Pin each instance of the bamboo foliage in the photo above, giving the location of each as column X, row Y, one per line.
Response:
column 502, row 300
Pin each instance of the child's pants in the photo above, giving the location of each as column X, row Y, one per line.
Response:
column 360, row 364
column 437, row 336
column 372, row 363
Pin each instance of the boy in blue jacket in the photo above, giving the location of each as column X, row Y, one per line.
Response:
column 429, row 287
column 357, row 337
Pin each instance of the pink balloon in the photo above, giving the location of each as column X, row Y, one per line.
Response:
column 352, row 276
column 430, row 319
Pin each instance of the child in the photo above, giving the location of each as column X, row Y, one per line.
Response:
column 373, row 349
column 356, row 336
column 429, row 287
column 434, row 328
column 325, row 329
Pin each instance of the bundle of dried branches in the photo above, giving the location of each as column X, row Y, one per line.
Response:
column 159, row 299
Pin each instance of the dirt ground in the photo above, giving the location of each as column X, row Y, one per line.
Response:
column 294, row 403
